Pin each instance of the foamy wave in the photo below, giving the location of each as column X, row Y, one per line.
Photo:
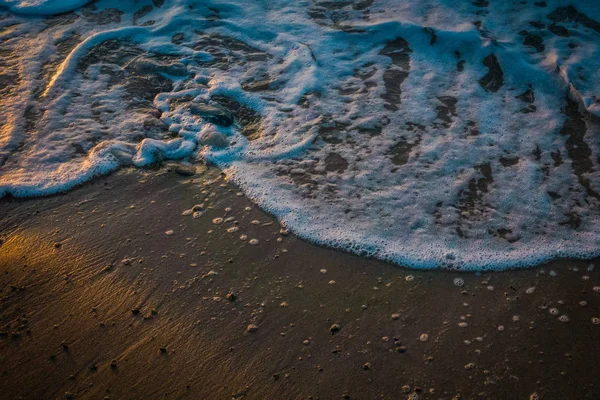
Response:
column 426, row 133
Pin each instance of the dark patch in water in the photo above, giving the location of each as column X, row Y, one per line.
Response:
column 505, row 233
column 509, row 161
column 534, row 41
column 335, row 163
column 213, row 114
column 573, row 220
column 305, row 100
column 178, row 38
column 494, row 79
column 362, row 4
column 577, row 149
column 471, row 128
column 226, row 50
column 247, row 119
column 527, row 96
column 398, row 51
column 554, row 195
column 471, row 200
column 141, row 13
column 529, row 109
column 559, row 30
column 400, row 152
column 446, row 110
column 104, row 17
column 61, row 19
column 557, row 158
column 431, row 31
column 570, row 14
column 330, row 131
column 259, row 85
column 537, row 153
column 141, row 73
column 339, row 14
column 537, row 24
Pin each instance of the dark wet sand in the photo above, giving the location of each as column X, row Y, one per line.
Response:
column 165, row 324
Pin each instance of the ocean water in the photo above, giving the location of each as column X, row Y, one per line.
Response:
column 429, row 133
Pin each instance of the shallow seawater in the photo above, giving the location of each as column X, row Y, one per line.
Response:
column 432, row 134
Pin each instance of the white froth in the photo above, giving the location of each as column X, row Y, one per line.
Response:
column 445, row 169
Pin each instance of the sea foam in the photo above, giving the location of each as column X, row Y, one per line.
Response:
column 432, row 134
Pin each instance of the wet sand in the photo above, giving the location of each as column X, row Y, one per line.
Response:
column 98, row 301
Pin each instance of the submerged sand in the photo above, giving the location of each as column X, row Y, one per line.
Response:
column 99, row 299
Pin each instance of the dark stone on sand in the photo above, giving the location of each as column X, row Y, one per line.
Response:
column 334, row 328
column 231, row 297
column 183, row 170
column 135, row 311
column 494, row 79
column 113, row 364
column 163, row 350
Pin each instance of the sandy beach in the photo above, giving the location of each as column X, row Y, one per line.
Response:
column 109, row 292
column 299, row 200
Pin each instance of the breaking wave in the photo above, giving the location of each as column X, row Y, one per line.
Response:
column 428, row 133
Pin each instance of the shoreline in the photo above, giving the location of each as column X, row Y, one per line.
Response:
column 99, row 301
